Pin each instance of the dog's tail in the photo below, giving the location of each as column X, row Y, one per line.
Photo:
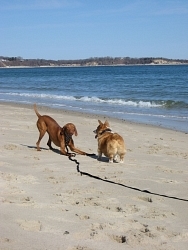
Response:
column 35, row 108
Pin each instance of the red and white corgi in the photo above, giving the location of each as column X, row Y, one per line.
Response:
column 109, row 143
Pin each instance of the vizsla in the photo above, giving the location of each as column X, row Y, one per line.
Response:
column 61, row 137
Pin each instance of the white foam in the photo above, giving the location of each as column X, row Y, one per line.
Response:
column 93, row 99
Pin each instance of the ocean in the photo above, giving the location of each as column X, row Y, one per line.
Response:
column 149, row 94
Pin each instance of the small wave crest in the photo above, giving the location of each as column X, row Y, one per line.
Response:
column 89, row 99
column 172, row 104
column 120, row 102
column 45, row 96
column 169, row 104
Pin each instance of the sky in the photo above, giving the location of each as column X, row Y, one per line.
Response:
column 80, row 29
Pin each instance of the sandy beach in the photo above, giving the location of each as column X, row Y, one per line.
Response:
column 47, row 204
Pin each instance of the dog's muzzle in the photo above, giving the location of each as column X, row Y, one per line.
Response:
column 95, row 131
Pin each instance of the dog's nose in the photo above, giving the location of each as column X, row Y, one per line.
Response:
column 94, row 131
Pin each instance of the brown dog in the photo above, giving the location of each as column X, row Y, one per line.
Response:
column 61, row 137
column 110, row 144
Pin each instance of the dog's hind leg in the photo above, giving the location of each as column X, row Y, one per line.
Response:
column 116, row 158
column 111, row 158
column 42, row 132
column 122, row 158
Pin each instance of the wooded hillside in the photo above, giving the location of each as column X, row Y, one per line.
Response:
column 94, row 61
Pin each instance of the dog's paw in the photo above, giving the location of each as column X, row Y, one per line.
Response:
column 99, row 157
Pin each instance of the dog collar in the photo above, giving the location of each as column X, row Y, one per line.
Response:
column 106, row 130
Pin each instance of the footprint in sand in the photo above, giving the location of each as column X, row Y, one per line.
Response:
column 83, row 217
column 119, row 238
column 30, row 225
column 154, row 213
column 79, row 248
column 10, row 147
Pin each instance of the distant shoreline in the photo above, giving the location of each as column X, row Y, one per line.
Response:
column 85, row 66
column 8, row 62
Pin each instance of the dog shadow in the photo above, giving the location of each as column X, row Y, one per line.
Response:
column 57, row 151
column 93, row 156
column 105, row 159
column 46, row 149
column 102, row 159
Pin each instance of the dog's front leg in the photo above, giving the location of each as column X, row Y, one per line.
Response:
column 63, row 150
column 76, row 150
column 99, row 155
column 49, row 143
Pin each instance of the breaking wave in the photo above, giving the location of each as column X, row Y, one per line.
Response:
column 169, row 104
column 110, row 101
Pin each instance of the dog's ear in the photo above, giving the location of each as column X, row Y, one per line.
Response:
column 75, row 131
column 100, row 123
column 107, row 123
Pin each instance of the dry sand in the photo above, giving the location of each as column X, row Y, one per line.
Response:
column 46, row 204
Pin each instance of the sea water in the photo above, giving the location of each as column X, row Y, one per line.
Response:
column 150, row 94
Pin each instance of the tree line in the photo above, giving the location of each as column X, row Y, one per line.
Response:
column 93, row 61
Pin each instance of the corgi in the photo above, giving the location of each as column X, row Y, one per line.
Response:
column 109, row 143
